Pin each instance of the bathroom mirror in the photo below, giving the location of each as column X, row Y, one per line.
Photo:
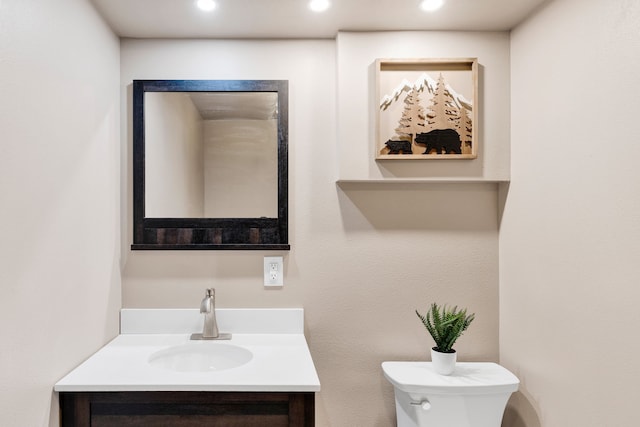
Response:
column 210, row 164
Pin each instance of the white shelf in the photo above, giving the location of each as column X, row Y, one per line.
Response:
column 423, row 181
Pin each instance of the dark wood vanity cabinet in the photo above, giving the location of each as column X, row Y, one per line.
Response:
column 187, row 409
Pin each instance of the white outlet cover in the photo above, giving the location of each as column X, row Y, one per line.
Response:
column 273, row 271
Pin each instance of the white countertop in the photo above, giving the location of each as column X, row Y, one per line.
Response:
column 281, row 362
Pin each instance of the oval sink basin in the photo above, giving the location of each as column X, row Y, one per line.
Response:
column 201, row 357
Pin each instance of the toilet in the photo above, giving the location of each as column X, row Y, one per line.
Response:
column 475, row 395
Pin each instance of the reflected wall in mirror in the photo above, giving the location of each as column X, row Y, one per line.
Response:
column 210, row 164
column 211, row 154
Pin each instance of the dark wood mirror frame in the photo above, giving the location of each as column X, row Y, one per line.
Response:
column 209, row 233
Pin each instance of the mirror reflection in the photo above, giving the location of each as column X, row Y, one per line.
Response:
column 211, row 154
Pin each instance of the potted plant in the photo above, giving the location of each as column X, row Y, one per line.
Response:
column 445, row 325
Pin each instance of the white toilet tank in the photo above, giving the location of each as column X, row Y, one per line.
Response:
column 475, row 395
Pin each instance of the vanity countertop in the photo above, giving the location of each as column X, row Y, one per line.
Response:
column 281, row 359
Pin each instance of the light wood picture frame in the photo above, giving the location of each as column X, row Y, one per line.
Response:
column 426, row 109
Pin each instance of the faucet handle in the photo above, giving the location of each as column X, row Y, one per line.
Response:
column 206, row 306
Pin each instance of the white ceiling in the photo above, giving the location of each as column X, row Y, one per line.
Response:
column 233, row 105
column 293, row 19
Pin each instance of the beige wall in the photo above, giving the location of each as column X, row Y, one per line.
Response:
column 570, row 235
column 174, row 167
column 60, row 186
column 241, row 168
column 364, row 256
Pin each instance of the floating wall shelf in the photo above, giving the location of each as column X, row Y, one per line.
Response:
column 394, row 181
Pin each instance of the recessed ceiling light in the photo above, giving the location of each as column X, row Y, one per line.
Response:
column 431, row 5
column 319, row 5
column 206, row 5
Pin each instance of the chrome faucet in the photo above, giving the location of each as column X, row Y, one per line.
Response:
column 208, row 307
column 210, row 329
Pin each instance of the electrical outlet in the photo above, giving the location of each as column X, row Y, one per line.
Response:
column 273, row 271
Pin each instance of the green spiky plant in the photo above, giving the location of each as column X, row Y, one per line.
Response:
column 445, row 325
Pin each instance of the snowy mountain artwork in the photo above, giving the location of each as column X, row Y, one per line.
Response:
column 424, row 109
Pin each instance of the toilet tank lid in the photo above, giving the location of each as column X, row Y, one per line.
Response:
column 468, row 378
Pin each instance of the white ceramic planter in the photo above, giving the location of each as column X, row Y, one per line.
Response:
column 443, row 363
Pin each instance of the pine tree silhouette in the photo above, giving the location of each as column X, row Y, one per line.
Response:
column 465, row 130
column 443, row 113
column 413, row 117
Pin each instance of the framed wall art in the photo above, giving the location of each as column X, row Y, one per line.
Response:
column 426, row 109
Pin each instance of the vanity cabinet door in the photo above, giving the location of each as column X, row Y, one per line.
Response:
column 187, row 409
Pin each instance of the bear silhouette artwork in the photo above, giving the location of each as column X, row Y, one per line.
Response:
column 395, row 147
column 442, row 140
